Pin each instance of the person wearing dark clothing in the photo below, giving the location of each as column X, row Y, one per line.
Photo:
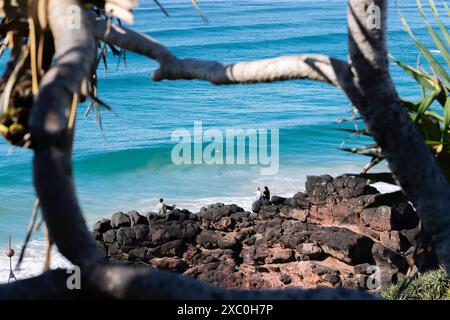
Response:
column 266, row 193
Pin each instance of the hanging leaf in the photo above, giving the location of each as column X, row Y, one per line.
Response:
column 446, row 7
column 421, row 77
column 439, row 21
column 426, row 104
column 435, row 65
column 437, row 40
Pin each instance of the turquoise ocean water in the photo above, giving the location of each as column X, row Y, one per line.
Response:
column 128, row 166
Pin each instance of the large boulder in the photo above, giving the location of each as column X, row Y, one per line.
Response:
column 255, row 255
column 385, row 218
column 301, row 200
column 162, row 231
column 228, row 242
column 169, row 249
column 189, row 229
column 136, row 218
column 395, row 240
column 126, row 236
column 216, row 211
column 310, row 251
column 387, row 258
column 256, row 206
column 209, row 239
column 142, row 232
column 277, row 200
column 344, row 244
column 351, row 186
column 119, row 219
column 102, row 225
column 269, row 212
column 319, row 188
column 109, row 236
column 280, row 255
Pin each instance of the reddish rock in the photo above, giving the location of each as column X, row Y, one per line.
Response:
column 344, row 244
column 279, row 255
column 395, row 241
column 172, row 264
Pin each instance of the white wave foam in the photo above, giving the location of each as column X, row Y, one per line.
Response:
column 33, row 262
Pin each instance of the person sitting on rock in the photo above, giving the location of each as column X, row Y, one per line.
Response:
column 258, row 194
column 266, row 193
column 161, row 207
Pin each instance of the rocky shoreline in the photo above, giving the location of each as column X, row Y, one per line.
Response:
column 332, row 235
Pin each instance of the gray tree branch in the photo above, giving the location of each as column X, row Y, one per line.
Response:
column 74, row 56
column 313, row 67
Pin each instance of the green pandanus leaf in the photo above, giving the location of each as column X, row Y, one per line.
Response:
column 421, row 77
column 435, row 65
column 437, row 40
column 446, row 7
column 426, row 104
column 439, row 21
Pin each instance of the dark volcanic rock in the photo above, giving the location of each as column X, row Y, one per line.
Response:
column 276, row 200
column 269, row 212
column 170, row 249
column 136, row 218
column 209, row 239
column 163, row 231
column 120, row 219
column 142, row 232
column 344, row 244
column 126, row 236
column 285, row 278
column 388, row 258
column 189, row 229
column 256, row 206
column 228, row 242
column 215, row 212
column 319, row 187
column 113, row 250
column 395, row 240
column 301, row 200
column 138, row 253
column 386, row 218
column 350, row 186
column 109, row 236
column 102, row 225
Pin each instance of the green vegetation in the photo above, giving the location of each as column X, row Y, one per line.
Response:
column 432, row 285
